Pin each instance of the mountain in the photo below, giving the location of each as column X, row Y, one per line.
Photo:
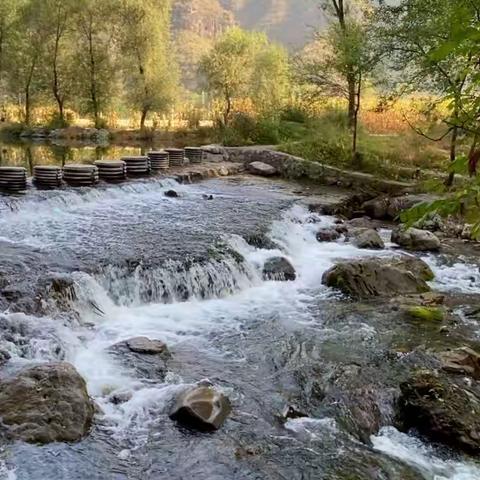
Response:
column 288, row 21
column 196, row 24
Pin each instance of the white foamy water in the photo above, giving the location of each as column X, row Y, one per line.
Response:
column 218, row 297
column 422, row 457
column 462, row 276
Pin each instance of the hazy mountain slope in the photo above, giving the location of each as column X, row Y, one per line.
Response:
column 288, row 21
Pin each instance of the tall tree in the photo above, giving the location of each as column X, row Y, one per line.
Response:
column 94, row 31
column 26, row 47
column 343, row 56
column 151, row 74
column 245, row 65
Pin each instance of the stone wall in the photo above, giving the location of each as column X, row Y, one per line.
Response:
column 298, row 168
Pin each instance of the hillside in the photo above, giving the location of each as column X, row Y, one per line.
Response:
column 287, row 21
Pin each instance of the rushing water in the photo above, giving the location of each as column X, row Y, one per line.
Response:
column 180, row 270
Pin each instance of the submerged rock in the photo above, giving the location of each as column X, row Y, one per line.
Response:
column 262, row 169
column 426, row 313
column 375, row 277
column 416, row 240
column 328, row 234
column 441, row 410
column 46, row 403
column 463, row 361
column 147, row 357
column 171, row 194
column 201, row 408
column 368, row 239
column 280, row 269
column 147, row 346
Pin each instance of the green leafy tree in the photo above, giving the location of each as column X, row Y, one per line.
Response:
column 245, row 64
column 422, row 37
column 343, row 56
column 151, row 74
column 26, row 48
column 96, row 57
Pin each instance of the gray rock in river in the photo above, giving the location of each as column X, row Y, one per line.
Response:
column 46, row 403
column 146, row 346
column 463, row 361
column 201, row 408
column 171, row 194
column 367, row 238
column 377, row 277
column 416, row 240
column 442, row 410
column 280, row 269
column 262, row 169
column 328, row 234
column 389, row 208
column 148, row 358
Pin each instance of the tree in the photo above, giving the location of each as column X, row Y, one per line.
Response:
column 58, row 16
column 151, row 75
column 419, row 34
column 343, row 56
column 94, row 31
column 8, row 12
column 245, row 65
column 26, row 46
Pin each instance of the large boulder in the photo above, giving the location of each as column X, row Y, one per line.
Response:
column 441, row 410
column 46, row 403
column 389, row 208
column 280, row 269
column 201, row 408
column 374, row 277
column 368, row 239
column 416, row 239
column 262, row 169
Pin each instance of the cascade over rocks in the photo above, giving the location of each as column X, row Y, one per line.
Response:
column 416, row 239
column 368, row 239
column 202, row 408
column 377, row 277
column 280, row 269
column 441, row 410
column 262, row 169
column 46, row 403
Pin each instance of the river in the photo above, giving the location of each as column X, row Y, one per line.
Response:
column 168, row 268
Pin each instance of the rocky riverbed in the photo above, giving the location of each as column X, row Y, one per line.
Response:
column 232, row 331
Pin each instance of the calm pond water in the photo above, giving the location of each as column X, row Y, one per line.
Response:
column 28, row 153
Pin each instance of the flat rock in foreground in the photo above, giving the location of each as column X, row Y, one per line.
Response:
column 46, row 403
column 377, row 277
column 262, row 169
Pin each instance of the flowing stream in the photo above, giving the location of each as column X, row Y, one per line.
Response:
column 180, row 270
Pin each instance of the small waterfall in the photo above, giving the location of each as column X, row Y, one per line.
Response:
column 66, row 199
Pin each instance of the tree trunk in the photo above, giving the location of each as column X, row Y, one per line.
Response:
column 228, row 110
column 356, row 110
column 352, row 94
column 143, row 118
column 453, row 155
column 93, row 81
column 27, row 106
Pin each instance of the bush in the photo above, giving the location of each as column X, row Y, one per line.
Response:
column 56, row 122
column 294, row 114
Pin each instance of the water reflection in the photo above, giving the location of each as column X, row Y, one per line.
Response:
column 28, row 153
